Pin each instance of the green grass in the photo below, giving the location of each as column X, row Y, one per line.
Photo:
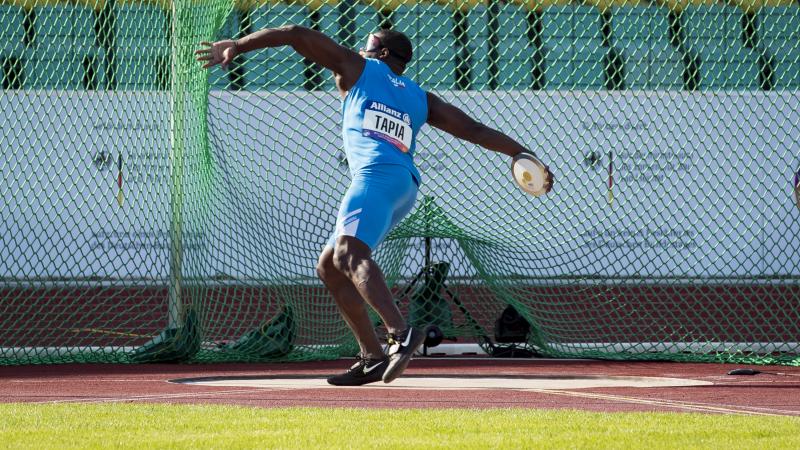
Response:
column 124, row 425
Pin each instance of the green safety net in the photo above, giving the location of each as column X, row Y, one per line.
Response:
column 154, row 211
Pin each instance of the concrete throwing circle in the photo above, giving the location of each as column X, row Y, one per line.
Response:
column 540, row 382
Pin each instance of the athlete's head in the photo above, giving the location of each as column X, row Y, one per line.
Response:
column 389, row 44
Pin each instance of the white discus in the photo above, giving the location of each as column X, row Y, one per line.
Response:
column 529, row 173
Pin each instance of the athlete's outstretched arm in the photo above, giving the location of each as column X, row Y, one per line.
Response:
column 449, row 118
column 311, row 44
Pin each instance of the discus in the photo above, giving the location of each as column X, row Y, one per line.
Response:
column 529, row 173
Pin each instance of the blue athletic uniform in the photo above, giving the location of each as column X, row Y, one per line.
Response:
column 383, row 113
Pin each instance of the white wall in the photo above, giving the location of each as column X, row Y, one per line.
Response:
column 702, row 183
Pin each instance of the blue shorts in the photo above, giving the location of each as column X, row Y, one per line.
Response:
column 378, row 198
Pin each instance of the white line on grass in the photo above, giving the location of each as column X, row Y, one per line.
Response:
column 701, row 407
column 150, row 397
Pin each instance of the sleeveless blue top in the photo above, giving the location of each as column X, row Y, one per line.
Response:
column 383, row 113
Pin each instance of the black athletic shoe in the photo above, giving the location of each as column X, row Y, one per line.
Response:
column 401, row 348
column 364, row 371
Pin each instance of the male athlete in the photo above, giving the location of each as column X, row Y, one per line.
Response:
column 383, row 113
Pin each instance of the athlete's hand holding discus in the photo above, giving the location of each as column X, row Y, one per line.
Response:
column 531, row 174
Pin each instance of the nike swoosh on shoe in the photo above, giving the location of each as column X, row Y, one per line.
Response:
column 370, row 369
column 408, row 338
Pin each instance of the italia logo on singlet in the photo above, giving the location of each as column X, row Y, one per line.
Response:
column 397, row 82
column 387, row 124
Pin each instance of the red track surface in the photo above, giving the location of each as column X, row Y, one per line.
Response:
column 70, row 316
column 773, row 393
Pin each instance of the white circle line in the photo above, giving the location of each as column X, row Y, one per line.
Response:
column 458, row 383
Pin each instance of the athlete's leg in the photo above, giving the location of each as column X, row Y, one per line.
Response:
column 351, row 305
column 353, row 259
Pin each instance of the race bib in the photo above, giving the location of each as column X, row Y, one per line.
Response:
column 387, row 124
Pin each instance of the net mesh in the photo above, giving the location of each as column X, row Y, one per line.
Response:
column 153, row 211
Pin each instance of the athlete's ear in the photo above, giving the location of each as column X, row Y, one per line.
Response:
column 384, row 53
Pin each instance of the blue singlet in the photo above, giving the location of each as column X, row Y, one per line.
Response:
column 383, row 113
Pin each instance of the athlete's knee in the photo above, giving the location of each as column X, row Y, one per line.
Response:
column 351, row 258
column 326, row 269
